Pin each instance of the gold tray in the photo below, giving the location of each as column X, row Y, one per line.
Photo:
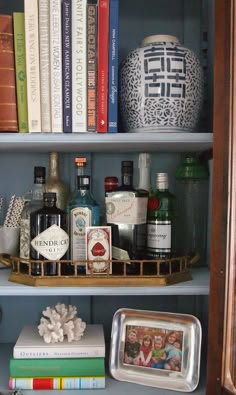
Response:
column 177, row 271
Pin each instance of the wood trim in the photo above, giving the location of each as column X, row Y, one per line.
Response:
column 221, row 127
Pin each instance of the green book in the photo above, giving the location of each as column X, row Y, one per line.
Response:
column 62, row 367
column 20, row 65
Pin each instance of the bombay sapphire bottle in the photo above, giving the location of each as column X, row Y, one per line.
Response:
column 83, row 211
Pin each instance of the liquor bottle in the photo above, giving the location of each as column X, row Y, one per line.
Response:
column 126, row 213
column 54, row 183
column 160, row 218
column 80, row 164
column 144, row 164
column 83, row 211
column 49, row 238
column 35, row 203
column 191, row 208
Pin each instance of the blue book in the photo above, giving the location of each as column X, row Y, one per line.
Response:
column 113, row 66
column 67, row 66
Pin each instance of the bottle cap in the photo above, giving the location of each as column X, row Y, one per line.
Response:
column 144, row 160
column 127, row 167
column 162, row 181
column 80, row 162
column 39, row 171
column 110, row 183
column 50, row 195
column 191, row 167
column 83, row 181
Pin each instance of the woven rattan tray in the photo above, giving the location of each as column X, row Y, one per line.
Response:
column 176, row 271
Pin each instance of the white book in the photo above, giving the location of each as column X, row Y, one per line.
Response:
column 56, row 66
column 79, row 62
column 44, row 61
column 30, row 345
column 32, row 65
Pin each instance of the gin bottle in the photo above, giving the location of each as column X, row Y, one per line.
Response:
column 160, row 217
column 83, row 211
column 35, row 203
column 126, row 212
column 49, row 238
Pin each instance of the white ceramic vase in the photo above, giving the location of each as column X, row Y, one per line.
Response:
column 161, row 87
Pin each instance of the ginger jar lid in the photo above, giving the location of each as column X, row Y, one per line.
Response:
column 157, row 38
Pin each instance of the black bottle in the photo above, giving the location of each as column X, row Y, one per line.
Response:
column 49, row 239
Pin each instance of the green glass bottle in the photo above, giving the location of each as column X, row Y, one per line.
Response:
column 160, row 217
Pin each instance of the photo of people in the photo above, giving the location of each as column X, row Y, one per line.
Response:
column 156, row 348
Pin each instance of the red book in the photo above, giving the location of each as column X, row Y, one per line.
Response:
column 103, row 39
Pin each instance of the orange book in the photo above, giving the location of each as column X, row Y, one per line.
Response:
column 8, row 104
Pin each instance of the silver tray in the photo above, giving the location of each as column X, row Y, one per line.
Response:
column 178, row 339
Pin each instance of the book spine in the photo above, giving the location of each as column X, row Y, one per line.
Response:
column 56, row 66
column 32, row 65
column 44, row 353
column 103, row 38
column 113, row 66
column 57, row 367
column 21, row 87
column 79, row 61
column 56, row 383
column 92, row 67
column 44, row 62
column 67, row 66
column 8, row 105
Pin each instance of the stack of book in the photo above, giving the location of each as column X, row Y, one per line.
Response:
column 75, row 365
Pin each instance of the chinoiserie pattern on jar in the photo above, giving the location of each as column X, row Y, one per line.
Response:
column 161, row 87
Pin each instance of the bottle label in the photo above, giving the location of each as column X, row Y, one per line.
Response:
column 25, row 238
column 80, row 218
column 52, row 243
column 98, row 242
column 126, row 210
column 159, row 236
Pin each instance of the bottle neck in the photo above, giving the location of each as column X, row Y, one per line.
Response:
column 50, row 203
column 53, row 165
column 144, row 178
column 127, row 180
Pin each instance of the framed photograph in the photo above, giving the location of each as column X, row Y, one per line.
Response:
column 156, row 349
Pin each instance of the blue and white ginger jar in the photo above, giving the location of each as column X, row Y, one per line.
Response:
column 161, row 87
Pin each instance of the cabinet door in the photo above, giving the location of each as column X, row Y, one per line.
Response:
column 221, row 370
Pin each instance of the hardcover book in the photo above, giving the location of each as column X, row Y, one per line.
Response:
column 113, row 66
column 44, row 61
column 8, row 103
column 92, row 66
column 32, row 65
column 56, row 383
column 103, row 38
column 31, row 345
column 67, row 66
column 20, row 65
column 79, row 61
column 57, row 367
column 56, row 66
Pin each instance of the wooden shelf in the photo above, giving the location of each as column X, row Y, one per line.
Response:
column 107, row 142
column 198, row 286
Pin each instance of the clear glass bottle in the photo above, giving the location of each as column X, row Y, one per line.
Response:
column 144, row 164
column 192, row 185
column 83, row 210
column 126, row 213
column 160, row 216
column 35, row 203
column 54, row 183
column 49, row 238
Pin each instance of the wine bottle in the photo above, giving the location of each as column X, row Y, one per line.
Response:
column 34, row 204
column 54, row 183
column 160, row 217
column 83, row 211
column 126, row 213
column 49, row 238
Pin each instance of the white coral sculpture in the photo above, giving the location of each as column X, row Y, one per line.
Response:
column 59, row 322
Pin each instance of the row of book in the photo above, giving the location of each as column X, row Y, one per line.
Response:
column 75, row 365
column 60, row 70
